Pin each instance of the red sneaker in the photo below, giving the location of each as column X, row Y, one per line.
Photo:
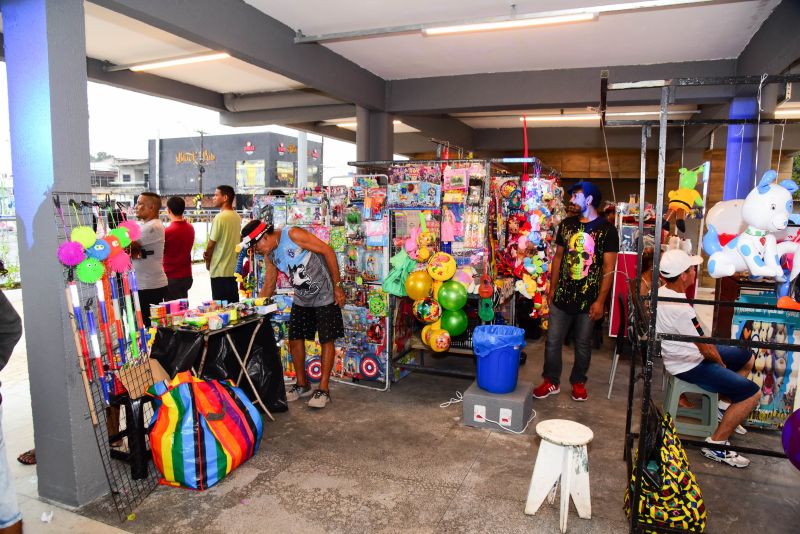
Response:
column 546, row 389
column 579, row 392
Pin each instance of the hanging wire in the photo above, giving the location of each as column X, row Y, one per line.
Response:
column 780, row 147
column 683, row 142
column 739, row 169
column 608, row 160
column 758, row 128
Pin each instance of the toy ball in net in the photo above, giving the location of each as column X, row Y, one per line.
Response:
column 122, row 235
column 455, row 322
column 114, row 246
column 791, row 438
column 71, row 253
column 427, row 330
column 83, row 235
column 441, row 266
column 134, row 231
column 100, row 250
column 452, row 295
column 90, row 271
column 418, row 285
column 427, row 310
column 440, row 340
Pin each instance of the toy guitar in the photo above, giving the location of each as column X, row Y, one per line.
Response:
column 486, row 290
column 486, row 310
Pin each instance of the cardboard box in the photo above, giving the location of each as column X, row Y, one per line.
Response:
column 137, row 379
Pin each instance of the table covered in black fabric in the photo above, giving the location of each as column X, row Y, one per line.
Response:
column 210, row 354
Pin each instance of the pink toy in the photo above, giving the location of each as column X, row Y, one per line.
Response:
column 134, row 231
column 71, row 253
column 119, row 263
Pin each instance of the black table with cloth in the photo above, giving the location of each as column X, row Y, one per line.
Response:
column 181, row 349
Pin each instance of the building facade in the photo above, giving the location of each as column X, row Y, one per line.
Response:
column 248, row 162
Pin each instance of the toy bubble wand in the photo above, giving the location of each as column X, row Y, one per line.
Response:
column 87, row 389
column 126, row 289
column 76, row 312
column 118, row 318
column 138, row 307
column 98, row 358
column 101, row 301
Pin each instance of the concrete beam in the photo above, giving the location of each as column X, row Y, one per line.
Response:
column 441, row 127
column 510, row 139
column 333, row 132
column 549, row 88
column 252, row 36
column 279, row 99
column 286, row 115
column 776, row 44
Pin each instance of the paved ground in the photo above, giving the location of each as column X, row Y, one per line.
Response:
column 396, row 461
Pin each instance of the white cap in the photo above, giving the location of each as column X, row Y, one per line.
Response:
column 675, row 261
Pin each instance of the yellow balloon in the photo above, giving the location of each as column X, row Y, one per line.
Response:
column 440, row 340
column 418, row 285
column 428, row 329
column 442, row 266
column 435, row 286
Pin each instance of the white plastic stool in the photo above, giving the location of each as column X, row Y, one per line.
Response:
column 562, row 455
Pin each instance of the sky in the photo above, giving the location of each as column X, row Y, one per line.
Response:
column 121, row 122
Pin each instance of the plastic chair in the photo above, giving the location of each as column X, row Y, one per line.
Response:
column 706, row 414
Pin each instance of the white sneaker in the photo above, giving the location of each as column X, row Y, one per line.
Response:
column 728, row 457
column 739, row 428
column 320, row 399
column 298, row 392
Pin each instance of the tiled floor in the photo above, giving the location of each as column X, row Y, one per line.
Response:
column 397, row 462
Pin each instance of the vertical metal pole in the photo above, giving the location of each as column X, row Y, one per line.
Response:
column 642, row 177
column 201, row 164
column 652, row 342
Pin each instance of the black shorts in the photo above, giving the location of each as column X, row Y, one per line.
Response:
column 305, row 321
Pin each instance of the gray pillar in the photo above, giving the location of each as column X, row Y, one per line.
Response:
column 45, row 56
column 769, row 101
column 302, row 159
column 362, row 134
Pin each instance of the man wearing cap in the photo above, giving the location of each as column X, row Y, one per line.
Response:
column 585, row 258
column 718, row 369
column 313, row 272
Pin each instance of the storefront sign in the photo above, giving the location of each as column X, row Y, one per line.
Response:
column 194, row 157
column 249, row 148
column 281, row 149
column 315, row 153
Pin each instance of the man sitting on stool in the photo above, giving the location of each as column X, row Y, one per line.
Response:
column 718, row 369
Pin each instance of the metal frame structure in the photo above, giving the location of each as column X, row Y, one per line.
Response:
column 653, row 339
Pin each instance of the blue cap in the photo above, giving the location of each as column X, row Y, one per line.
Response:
column 589, row 189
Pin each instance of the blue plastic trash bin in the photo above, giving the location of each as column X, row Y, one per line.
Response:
column 497, row 349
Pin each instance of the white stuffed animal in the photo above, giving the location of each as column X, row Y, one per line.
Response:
column 765, row 210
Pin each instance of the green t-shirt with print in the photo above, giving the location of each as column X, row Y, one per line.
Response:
column 226, row 233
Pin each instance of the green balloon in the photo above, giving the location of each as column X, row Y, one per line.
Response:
column 454, row 321
column 452, row 295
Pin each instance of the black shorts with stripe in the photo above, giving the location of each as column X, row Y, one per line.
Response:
column 305, row 322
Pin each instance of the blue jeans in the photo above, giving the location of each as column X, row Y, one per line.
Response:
column 723, row 380
column 560, row 321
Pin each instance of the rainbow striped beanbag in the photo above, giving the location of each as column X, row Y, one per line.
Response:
column 201, row 430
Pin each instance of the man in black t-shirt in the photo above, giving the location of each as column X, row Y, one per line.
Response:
column 581, row 277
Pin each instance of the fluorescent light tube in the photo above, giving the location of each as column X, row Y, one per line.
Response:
column 197, row 58
column 562, row 118
column 510, row 24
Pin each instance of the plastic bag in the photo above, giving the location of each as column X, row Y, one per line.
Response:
column 489, row 338
column 201, row 430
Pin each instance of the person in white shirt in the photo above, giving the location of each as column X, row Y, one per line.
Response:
column 718, row 369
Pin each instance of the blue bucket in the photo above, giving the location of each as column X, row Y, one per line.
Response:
column 497, row 349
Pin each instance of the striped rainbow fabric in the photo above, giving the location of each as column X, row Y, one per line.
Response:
column 201, row 430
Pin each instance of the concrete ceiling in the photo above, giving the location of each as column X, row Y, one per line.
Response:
column 676, row 34
column 468, row 89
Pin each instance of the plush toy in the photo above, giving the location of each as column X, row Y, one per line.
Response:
column 685, row 198
column 766, row 210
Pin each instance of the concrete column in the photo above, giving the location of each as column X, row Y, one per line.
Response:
column 302, row 159
column 45, row 56
column 362, row 134
column 741, row 150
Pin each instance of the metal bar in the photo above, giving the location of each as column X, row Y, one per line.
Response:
column 729, row 342
column 700, row 122
column 435, row 370
column 603, row 95
column 727, row 303
column 700, row 82
column 642, row 177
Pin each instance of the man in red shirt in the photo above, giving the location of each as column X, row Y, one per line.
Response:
column 179, row 239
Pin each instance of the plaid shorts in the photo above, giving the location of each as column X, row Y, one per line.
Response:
column 305, row 322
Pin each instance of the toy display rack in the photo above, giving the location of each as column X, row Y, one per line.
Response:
column 114, row 368
column 407, row 350
column 650, row 345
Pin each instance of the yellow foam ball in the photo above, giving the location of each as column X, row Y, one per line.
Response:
column 442, row 266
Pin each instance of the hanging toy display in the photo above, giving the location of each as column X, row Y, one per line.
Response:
column 427, row 310
column 439, row 340
column 122, row 235
column 90, row 271
column 685, row 199
column 766, row 211
column 442, row 266
column 71, row 253
column 100, row 250
column 418, row 285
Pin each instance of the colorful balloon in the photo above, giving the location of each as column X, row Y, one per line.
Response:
column 791, row 438
column 418, row 285
column 455, row 322
column 452, row 295
column 440, row 340
column 427, row 310
column 442, row 266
